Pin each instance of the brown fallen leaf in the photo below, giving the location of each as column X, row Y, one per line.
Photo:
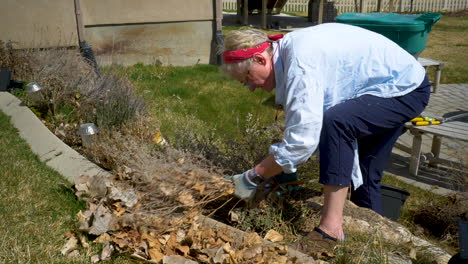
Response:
column 152, row 241
column 252, row 239
column 186, row 198
column 70, row 245
column 225, row 237
column 412, row 253
column 251, row 252
column 119, row 212
column 199, row 187
column 273, row 236
column 171, row 244
column 106, row 252
column 206, row 233
column 83, row 241
column 183, row 249
column 102, row 239
column 155, row 254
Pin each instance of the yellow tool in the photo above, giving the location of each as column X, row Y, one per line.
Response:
column 428, row 120
column 425, row 121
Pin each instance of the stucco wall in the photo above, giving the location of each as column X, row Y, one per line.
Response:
column 177, row 43
column 104, row 12
column 177, row 32
column 38, row 23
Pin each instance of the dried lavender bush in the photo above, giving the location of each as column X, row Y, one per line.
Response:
column 233, row 155
column 69, row 80
column 111, row 101
column 166, row 179
column 61, row 72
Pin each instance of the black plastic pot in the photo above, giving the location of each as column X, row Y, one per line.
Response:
column 393, row 199
column 5, row 76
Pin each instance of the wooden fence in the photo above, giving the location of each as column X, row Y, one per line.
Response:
column 344, row 6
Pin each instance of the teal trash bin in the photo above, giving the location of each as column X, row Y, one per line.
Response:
column 409, row 31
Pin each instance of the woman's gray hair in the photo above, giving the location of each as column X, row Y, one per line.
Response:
column 242, row 39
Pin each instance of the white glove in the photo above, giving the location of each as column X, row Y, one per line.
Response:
column 245, row 188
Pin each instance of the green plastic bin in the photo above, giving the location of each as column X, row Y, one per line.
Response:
column 408, row 31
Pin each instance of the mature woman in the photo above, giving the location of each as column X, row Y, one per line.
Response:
column 346, row 91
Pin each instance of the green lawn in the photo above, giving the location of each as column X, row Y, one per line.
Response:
column 35, row 211
column 448, row 42
column 199, row 98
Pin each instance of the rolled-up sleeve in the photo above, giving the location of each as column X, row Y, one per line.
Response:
column 304, row 111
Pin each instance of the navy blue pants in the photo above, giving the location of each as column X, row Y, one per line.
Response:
column 373, row 122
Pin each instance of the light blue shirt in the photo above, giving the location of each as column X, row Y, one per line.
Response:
column 321, row 66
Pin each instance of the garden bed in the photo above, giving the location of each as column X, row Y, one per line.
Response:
column 174, row 184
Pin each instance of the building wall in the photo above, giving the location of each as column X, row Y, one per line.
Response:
column 104, row 12
column 176, row 43
column 177, row 32
column 38, row 23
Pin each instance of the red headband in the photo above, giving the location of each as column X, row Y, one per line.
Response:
column 233, row 56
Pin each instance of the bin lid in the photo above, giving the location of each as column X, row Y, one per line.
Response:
column 389, row 21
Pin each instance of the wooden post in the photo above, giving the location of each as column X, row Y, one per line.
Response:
column 391, row 5
column 362, row 6
column 264, row 14
column 245, row 12
column 320, row 12
column 379, row 5
column 239, row 11
column 444, row 8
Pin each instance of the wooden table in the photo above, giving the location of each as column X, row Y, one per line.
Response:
column 426, row 63
column 451, row 129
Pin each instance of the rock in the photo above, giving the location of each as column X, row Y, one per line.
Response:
column 176, row 259
column 103, row 221
column 128, row 197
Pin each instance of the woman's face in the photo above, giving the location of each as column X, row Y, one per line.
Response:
column 260, row 74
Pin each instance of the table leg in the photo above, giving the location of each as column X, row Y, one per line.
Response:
column 437, row 78
column 415, row 154
column 435, row 149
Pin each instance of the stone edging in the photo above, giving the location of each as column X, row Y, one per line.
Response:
column 50, row 149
